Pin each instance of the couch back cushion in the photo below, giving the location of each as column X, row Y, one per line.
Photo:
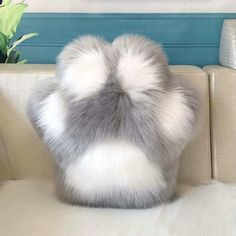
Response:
column 23, row 155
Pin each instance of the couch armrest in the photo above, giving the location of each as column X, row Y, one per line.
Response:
column 223, row 121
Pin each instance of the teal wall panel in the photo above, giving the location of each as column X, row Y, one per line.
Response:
column 187, row 38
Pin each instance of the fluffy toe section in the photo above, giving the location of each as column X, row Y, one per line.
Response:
column 142, row 65
column 83, row 66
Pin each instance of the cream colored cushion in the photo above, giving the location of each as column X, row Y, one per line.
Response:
column 22, row 153
column 195, row 166
column 30, row 208
column 24, row 156
column 223, row 122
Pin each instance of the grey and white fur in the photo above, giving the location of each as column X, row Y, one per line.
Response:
column 116, row 120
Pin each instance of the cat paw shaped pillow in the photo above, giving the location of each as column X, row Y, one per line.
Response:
column 116, row 121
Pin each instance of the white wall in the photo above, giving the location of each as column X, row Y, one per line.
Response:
column 169, row 6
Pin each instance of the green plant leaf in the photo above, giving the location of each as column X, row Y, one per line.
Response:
column 13, row 57
column 6, row 2
column 20, row 40
column 22, row 62
column 3, row 43
column 10, row 16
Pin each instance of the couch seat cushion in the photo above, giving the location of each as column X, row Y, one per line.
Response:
column 30, row 208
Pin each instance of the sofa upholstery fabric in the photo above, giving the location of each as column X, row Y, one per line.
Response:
column 24, row 156
column 223, row 116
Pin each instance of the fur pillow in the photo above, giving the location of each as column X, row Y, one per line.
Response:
column 116, row 120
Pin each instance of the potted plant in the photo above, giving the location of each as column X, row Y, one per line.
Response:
column 10, row 16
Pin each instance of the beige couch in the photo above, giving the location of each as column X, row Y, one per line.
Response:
column 26, row 169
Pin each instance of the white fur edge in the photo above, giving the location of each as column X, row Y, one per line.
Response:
column 112, row 166
column 85, row 76
column 136, row 74
column 174, row 116
column 51, row 116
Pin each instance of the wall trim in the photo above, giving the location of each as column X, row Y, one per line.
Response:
column 131, row 15
column 188, row 38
